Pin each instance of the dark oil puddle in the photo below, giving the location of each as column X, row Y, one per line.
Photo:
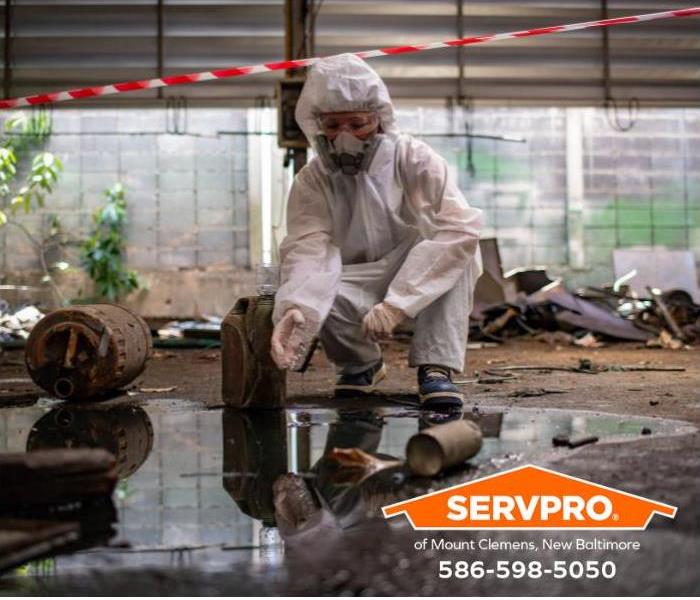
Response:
column 196, row 485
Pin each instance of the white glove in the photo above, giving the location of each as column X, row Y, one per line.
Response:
column 288, row 339
column 381, row 320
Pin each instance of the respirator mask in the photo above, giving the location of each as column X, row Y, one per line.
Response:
column 341, row 146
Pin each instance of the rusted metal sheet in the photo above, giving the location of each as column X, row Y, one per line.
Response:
column 492, row 287
column 84, row 351
column 124, row 431
column 250, row 378
column 575, row 313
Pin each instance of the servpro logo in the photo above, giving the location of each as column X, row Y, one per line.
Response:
column 529, row 497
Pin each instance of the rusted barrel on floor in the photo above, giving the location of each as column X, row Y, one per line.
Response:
column 124, row 431
column 250, row 378
column 85, row 351
column 435, row 449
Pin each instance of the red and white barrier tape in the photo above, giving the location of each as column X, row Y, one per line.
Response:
column 120, row 88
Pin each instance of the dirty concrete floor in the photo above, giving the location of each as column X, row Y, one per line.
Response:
column 368, row 559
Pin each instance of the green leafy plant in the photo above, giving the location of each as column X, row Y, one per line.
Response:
column 25, row 182
column 102, row 253
column 23, row 133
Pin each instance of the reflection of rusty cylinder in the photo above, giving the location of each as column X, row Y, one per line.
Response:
column 83, row 351
column 125, row 431
column 250, row 377
column 435, row 449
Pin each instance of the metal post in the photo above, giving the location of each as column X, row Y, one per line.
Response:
column 460, row 53
column 7, row 74
column 295, row 33
column 160, row 44
column 574, row 188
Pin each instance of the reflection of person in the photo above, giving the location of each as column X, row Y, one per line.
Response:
column 334, row 498
column 377, row 233
column 317, row 506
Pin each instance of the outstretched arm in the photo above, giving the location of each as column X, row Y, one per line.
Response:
column 310, row 262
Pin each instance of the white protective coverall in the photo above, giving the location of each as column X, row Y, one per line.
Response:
column 399, row 232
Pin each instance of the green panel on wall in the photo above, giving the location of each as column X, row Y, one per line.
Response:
column 635, row 237
column 673, row 237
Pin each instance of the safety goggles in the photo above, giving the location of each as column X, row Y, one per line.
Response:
column 357, row 123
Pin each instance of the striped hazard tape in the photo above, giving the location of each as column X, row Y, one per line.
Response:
column 129, row 86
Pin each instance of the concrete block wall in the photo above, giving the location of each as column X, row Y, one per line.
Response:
column 521, row 187
column 641, row 187
column 189, row 196
column 187, row 193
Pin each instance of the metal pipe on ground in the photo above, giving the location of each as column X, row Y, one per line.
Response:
column 437, row 448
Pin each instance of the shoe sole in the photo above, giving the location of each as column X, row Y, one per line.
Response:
column 363, row 389
column 441, row 400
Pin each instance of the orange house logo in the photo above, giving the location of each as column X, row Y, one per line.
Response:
column 529, row 497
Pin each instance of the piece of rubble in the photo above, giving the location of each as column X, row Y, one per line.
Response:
column 534, row 392
column 665, row 340
column 573, row 442
column 555, row 338
column 588, row 341
column 357, row 465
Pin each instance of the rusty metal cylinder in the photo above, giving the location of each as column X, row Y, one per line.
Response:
column 250, row 378
column 125, row 431
column 85, row 351
column 435, row 449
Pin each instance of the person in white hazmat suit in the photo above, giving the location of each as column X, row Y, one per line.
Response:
column 377, row 232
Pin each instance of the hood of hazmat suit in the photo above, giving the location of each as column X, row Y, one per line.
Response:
column 403, row 203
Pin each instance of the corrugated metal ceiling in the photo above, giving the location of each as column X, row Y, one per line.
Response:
column 73, row 43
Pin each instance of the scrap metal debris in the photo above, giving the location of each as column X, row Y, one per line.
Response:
column 18, row 324
column 537, row 305
column 665, row 340
column 207, row 328
column 534, row 392
column 573, row 442
column 588, row 341
column 357, row 465
column 486, row 377
column 588, row 367
column 17, row 391
column 151, row 390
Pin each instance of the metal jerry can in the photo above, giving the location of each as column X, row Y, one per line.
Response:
column 250, row 378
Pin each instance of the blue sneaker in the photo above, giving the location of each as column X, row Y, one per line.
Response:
column 358, row 384
column 436, row 390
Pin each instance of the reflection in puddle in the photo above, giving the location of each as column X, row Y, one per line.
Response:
column 197, row 485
